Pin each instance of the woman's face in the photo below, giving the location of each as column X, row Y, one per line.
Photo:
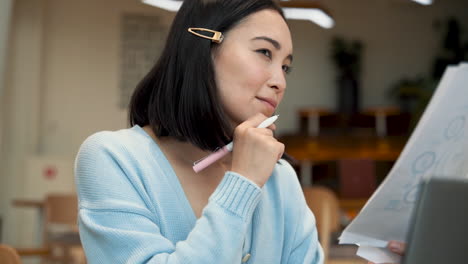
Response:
column 251, row 65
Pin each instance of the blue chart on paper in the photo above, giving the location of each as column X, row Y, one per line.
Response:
column 438, row 147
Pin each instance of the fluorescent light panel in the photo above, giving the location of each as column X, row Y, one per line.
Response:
column 423, row 2
column 168, row 5
column 315, row 15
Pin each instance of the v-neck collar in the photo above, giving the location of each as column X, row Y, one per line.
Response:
column 169, row 171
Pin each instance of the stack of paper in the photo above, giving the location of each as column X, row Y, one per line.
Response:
column 438, row 147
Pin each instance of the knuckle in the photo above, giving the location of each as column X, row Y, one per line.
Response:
column 237, row 131
column 282, row 146
column 273, row 144
column 240, row 128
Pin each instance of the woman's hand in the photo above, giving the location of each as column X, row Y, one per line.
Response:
column 255, row 151
column 395, row 247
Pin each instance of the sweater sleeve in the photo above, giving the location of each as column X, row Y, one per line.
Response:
column 306, row 249
column 305, row 245
column 116, row 225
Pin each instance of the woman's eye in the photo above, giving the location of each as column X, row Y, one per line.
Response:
column 287, row 69
column 265, row 52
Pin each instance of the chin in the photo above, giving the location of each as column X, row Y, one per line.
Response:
column 268, row 112
column 238, row 121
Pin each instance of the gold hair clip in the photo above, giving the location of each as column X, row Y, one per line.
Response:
column 217, row 36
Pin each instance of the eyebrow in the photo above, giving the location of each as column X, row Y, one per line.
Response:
column 275, row 44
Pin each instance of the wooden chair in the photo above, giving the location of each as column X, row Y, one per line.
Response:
column 325, row 206
column 60, row 232
column 8, row 255
column 60, row 228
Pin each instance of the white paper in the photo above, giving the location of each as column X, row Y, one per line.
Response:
column 438, row 147
column 378, row 255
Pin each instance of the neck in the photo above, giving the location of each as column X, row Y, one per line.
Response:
column 184, row 152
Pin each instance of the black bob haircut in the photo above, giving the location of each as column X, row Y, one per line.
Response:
column 179, row 96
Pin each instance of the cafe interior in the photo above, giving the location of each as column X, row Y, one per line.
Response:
column 364, row 71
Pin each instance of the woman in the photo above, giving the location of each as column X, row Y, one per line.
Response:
column 221, row 74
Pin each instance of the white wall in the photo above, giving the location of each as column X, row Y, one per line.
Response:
column 82, row 72
column 20, row 103
column 64, row 67
column 5, row 15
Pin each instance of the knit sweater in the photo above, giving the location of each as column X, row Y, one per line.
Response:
column 132, row 209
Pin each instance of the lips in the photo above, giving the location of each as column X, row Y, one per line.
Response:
column 271, row 102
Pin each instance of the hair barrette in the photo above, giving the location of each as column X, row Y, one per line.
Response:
column 217, row 36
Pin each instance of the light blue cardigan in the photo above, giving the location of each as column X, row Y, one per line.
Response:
column 132, row 209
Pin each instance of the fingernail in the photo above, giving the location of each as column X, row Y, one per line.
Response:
column 395, row 247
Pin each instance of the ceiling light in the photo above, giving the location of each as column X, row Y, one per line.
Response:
column 315, row 15
column 169, row 5
column 423, row 2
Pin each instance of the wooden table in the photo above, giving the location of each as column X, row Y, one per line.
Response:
column 311, row 116
column 336, row 147
column 310, row 150
column 41, row 249
column 38, row 204
column 381, row 114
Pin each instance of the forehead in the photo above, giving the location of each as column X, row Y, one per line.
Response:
column 268, row 23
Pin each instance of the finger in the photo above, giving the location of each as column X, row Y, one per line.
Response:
column 397, row 247
column 272, row 127
column 281, row 151
column 254, row 121
column 264, row 131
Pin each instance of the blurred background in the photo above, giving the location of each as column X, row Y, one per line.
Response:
column 358, row 88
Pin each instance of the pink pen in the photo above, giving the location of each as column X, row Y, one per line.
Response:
column 213, row 157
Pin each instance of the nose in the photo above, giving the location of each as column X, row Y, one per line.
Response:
column 278, row 79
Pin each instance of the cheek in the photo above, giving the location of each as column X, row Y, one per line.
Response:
column 240, row 72
column 280, row 97
column 252, row 77
column 256, row 75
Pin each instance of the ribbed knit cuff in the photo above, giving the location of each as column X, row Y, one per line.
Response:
column 237, row 194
